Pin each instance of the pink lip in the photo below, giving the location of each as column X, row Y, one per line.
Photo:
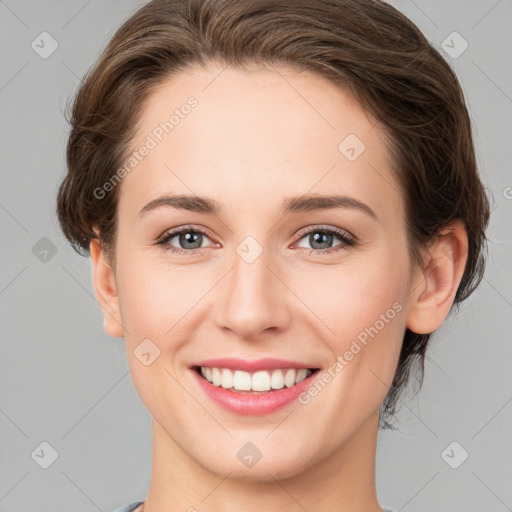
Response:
column 254, row 404
column 251, row 366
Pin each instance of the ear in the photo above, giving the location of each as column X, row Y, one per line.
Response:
column 104, row 283
column 436, row 283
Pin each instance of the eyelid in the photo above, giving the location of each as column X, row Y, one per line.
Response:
column 172, row 232
column 323, row 227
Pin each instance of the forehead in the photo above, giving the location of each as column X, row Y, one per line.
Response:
column 227, row 133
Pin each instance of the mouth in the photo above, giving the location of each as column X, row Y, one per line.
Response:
column 253, row 387
column 256, row 382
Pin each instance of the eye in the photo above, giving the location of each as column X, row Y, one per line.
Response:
column 189, row 238
column 322, row 238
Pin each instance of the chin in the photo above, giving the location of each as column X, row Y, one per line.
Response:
column 267, row 469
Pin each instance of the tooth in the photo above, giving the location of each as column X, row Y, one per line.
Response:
column 261, row 381
column 289, row 378
column 301, row 375
column 242, row 381
column 216, row 378
column 277, row 380
column 227, row 378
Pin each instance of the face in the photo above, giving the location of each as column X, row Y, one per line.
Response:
column 272, row 273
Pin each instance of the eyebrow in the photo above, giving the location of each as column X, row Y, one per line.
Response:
column 305, row 203
column 308, row 203
column 184, row 202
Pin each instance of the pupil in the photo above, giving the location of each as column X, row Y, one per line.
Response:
column 192, row 238
column 321, row 238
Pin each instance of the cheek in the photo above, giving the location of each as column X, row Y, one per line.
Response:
column 349, row 298
column 151, row 294
column 360, row 310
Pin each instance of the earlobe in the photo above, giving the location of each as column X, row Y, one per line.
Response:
column 436, row 284
column 105, row 287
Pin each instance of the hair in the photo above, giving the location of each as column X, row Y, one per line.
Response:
column 366, row 47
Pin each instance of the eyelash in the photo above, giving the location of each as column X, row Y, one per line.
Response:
column 346, row 240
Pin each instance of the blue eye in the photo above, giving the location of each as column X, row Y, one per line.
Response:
column 322, row 238
column 191, row 239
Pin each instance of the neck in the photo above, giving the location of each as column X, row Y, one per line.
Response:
column 344, row 480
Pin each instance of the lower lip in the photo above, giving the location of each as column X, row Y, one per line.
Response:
column 253, row 404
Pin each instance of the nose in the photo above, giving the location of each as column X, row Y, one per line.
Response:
column 254, row 299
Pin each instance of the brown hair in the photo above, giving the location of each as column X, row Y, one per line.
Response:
column 365, row 46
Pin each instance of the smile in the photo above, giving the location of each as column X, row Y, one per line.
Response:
column 255, row 382
column 256, row 392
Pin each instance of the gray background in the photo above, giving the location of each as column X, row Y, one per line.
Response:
column 64, row 381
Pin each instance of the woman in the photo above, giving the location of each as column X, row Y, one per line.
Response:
column 281, row 203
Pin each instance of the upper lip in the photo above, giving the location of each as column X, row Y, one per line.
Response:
column 267, row 363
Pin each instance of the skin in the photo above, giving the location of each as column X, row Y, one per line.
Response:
column 255, row 138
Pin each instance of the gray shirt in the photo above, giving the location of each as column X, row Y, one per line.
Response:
column 128, row 508
column 131, row 506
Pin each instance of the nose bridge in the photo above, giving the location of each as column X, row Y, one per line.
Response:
column 253, row 300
